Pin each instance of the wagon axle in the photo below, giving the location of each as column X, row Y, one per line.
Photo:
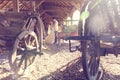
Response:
column 105, row 47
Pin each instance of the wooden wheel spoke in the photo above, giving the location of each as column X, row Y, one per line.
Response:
column 92, row 68
column 21, row 61
column 25, row 63
column 26, row 44
column 29, row 40
column 97, row 65
column 24, row 47
column 90, row 63
column 32, row 42
column 21, row 48
column 91, row 60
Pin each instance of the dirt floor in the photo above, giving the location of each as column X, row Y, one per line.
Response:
column 57, row 63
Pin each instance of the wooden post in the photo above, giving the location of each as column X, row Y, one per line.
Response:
column 16, row 5
column 71, row 20
column 39, row 4
column 33, row 5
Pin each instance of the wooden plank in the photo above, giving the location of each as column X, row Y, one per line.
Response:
column 16, row 5
column 8, row 6
column 2, row 43
column 39, row 3
column 32, row 5
column 43, row 12
column 57, row 7
column 24, row 4
column 3, row 4
column 10, row 14
column 62, row 0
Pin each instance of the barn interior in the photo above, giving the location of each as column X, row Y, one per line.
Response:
column 48, row 9
column 57, row 63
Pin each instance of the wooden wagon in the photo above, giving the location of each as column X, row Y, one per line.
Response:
column 99, row 34
column 21, row 34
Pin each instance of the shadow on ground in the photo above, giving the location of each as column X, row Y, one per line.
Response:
column 55, row 48
column 71, row 71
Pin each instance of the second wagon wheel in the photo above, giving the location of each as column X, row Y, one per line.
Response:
column 91, row 59
column 25, row 47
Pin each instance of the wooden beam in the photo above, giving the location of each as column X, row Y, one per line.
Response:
column 16, row 5
column 62, row 0
column 4, row 4
column 25, row 5
column 39, row 3
column 8, row 6
column 57, row 7
column 41, row 13
column 57, row 15
column 58, row 10
column 33, row 5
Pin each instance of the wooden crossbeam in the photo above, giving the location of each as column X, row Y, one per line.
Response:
column 24, row 4
column 39, row 3
column 3, row 5
column 16, row 5
column 32, row 5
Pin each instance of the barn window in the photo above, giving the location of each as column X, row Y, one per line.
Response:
column 71, row 23
column 76, row 17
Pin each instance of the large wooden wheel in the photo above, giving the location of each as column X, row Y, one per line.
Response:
column 91, row 59
column 25, row 48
